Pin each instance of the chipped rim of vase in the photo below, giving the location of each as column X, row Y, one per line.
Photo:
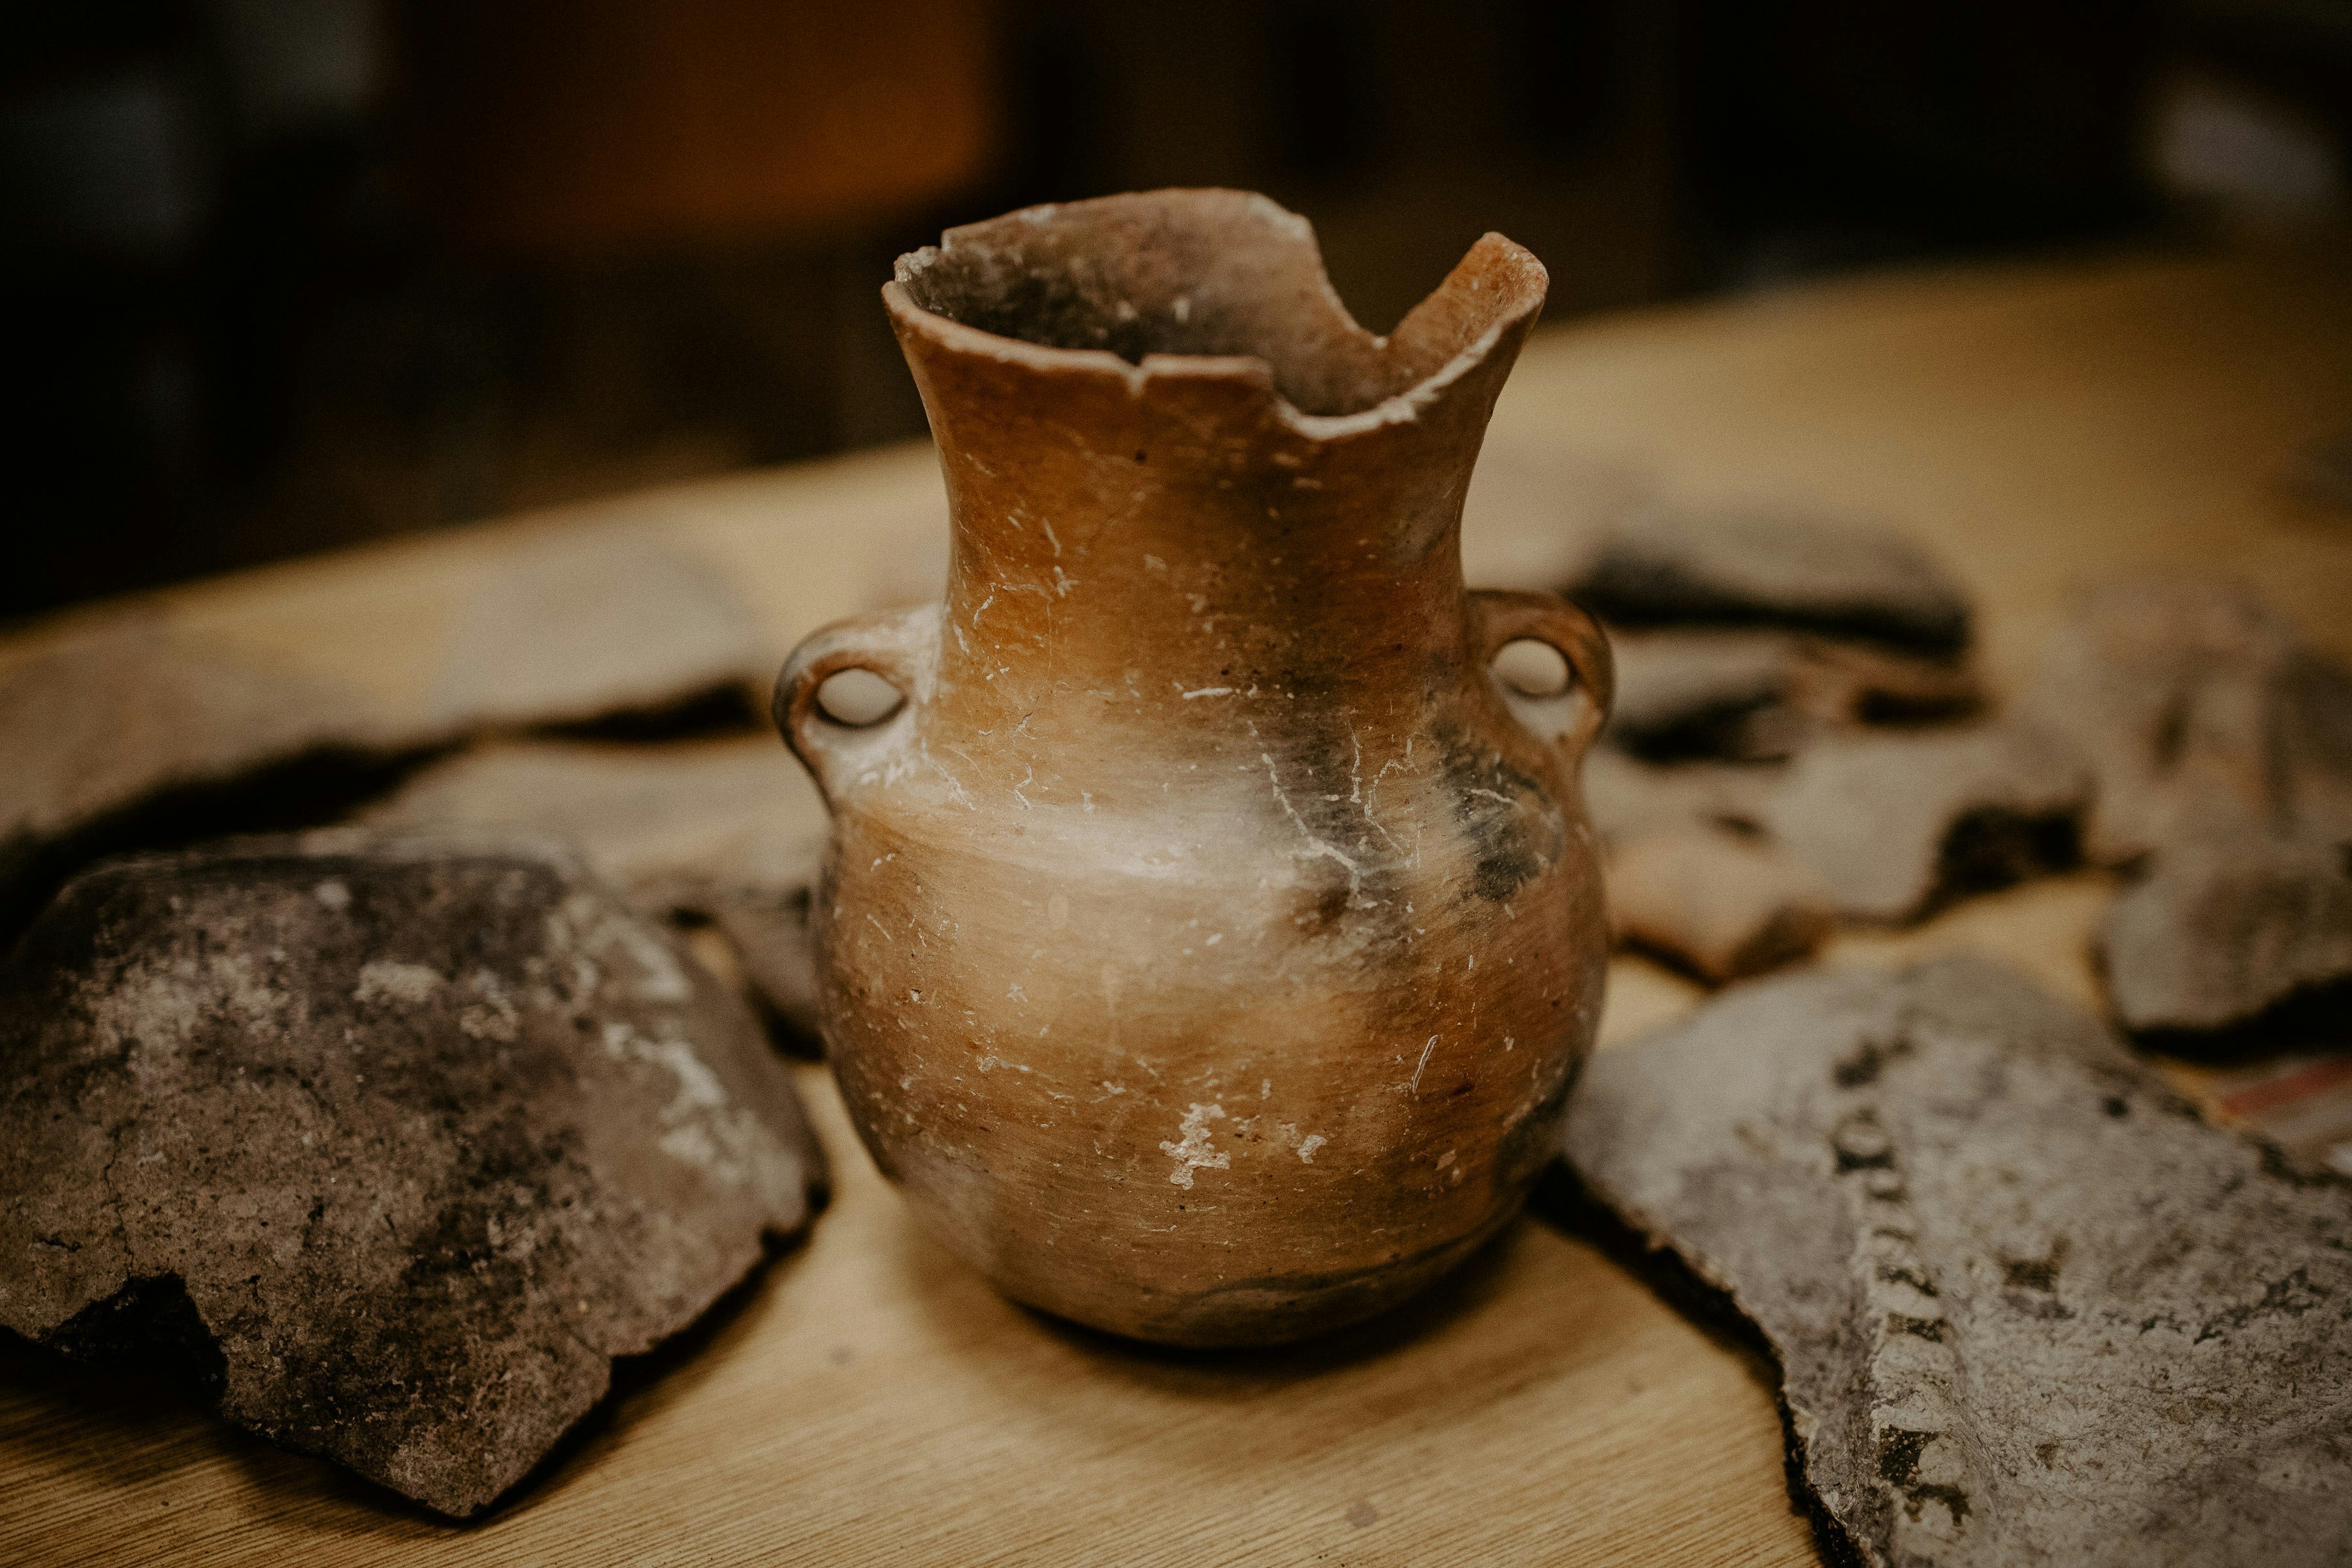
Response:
column 1273, row 234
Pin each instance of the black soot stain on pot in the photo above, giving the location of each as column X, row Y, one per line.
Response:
column 1515, row 834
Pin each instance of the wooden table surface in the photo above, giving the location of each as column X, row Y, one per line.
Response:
column 867, row 1400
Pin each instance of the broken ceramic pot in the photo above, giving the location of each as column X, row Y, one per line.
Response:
column 1211, row 937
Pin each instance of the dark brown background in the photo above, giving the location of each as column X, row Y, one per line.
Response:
column 285, row 274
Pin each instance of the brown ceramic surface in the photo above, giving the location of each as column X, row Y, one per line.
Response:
column 1212, row 938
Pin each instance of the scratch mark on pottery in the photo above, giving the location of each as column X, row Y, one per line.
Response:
column 1307, row 1145
column 1421, row 1066
column 1210, row 691
column 1320, row 850
column 955, row 786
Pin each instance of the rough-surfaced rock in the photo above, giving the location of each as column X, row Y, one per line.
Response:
column 1896, row 822
column 392, row 1144
column 2224, row 931
column 2201, row 713
column 1718, row 903
column 2027, row 1307
column 728, row 832
column 1670, row 565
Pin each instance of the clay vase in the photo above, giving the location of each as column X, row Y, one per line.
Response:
column 1209, row 941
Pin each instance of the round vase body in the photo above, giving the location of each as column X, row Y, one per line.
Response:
column 1210, row 940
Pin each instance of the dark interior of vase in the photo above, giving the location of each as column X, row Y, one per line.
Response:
column 1203, row 273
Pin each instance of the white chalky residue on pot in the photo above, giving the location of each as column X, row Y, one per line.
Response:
column 1191, row 1151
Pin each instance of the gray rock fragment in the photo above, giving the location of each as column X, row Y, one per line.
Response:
column 2027, row 1307
column 728, row 832
column 1667, row 565
column 2201, row 714
column 1896, row 822
column 397, row 1143
column 2224, row 931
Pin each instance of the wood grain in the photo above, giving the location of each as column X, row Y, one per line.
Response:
column 868, row 1400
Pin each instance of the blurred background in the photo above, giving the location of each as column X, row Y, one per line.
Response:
column 289, row 274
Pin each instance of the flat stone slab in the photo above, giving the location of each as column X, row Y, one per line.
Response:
column 2027, row 1307
column 390, row 1146
column 728, row 832
column 1758, row 566
column 2224, row 933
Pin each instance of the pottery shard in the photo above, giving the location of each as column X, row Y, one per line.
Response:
column 574, row 628
column 136, row 717
column 1666, row 565
column 396, row 1144
column 1759, row 696
column 1627, row 798
column 1896, row 822
column 133, row 719
column 2027, row 1307
column 2224, row 931
column 728, row 832
column 2201, row 714
column 1718, row 903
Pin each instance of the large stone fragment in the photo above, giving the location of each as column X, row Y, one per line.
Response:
column 1897, row 823
column 1670, row 565
column 728, row 832
column 396, row 1143
column 1718, row 903
column 2027, row 1307
column 2225, row 931
column 2201, row 713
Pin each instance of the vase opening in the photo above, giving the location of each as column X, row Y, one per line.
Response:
column 1209, row 274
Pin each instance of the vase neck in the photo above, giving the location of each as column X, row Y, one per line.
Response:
column 1142, row 509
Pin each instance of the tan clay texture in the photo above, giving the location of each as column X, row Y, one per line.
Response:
column 1211, row 939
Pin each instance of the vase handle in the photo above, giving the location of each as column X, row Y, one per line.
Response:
column 1571, row 717
column 900, row 646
